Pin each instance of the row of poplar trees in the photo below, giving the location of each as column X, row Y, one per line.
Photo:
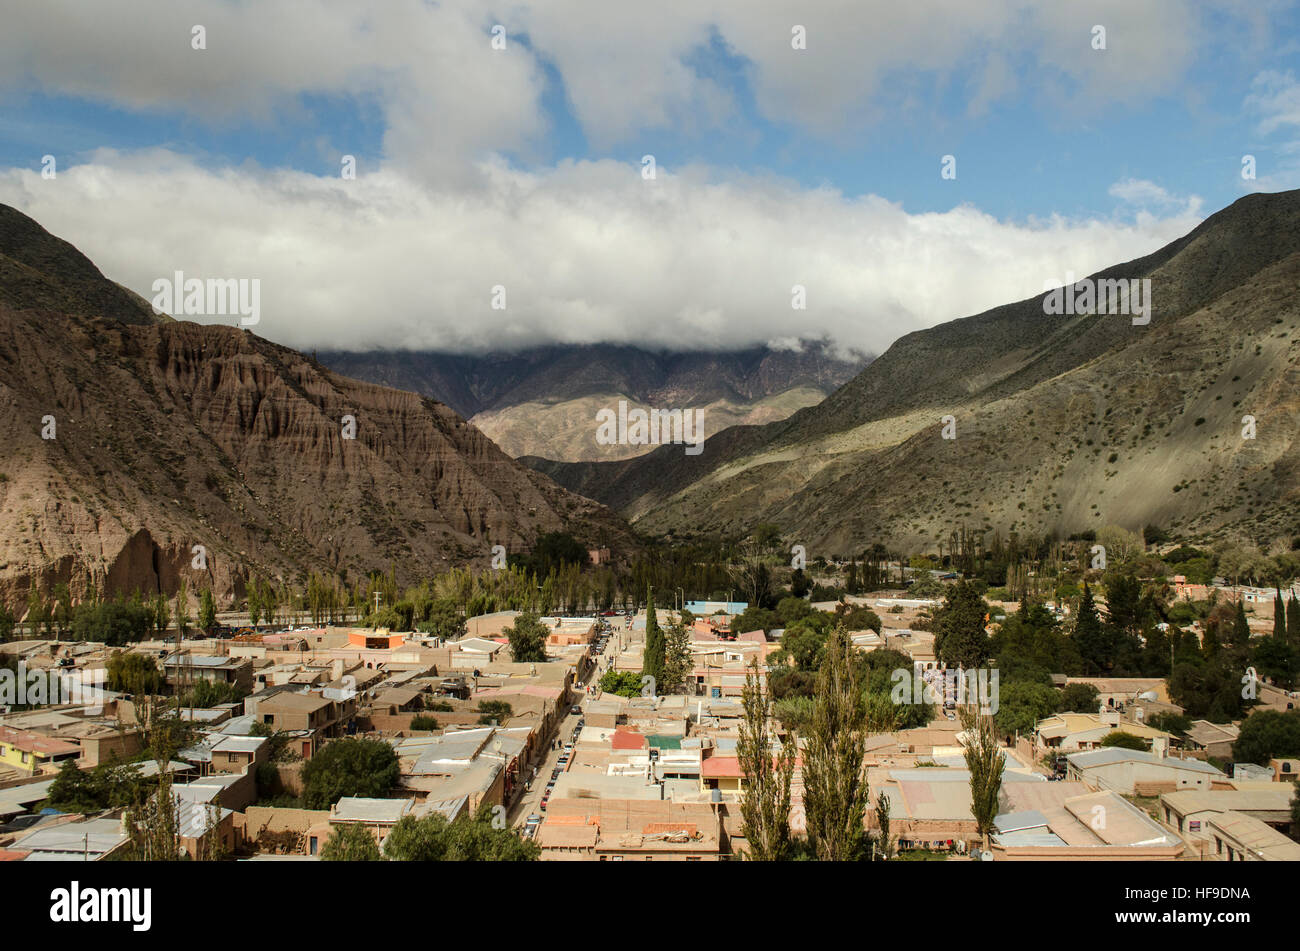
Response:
column 832, row 757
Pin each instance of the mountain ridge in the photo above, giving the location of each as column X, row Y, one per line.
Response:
column 891, row 411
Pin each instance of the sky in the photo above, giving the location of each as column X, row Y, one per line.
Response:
column 904, row 164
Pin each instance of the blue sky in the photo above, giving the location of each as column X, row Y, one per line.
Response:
column 1065, row 154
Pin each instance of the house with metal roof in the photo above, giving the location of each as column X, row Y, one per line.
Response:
column 1137, row 772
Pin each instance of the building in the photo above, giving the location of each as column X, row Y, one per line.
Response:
column 183, row 670
column 1285, row 770
column 619, row 830
column 1058, row 822
column 1212, row 739
column 1070, row 732
column 322, row 716
column 1189, row 812
column 1240, row 838
column 32, row 753
column 62, row 839
column 377, row 815
column 1136, row 772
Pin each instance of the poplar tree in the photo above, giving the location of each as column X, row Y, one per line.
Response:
column 765, row 809
column 834, row 771
column 985, row 762
column 677, row 657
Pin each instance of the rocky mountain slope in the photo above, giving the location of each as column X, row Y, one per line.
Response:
column 543, row 401
column 168, row 434
column 1062, row 423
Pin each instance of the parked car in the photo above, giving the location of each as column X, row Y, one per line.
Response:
column 577, row 709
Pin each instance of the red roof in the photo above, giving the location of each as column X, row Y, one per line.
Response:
column 35, row 743
column 721, row 767
column 627, row 740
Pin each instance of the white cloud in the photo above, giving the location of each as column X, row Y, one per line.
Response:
column 1152, row 198
column 448, row 99
column 1274, row 100
column 587, row 251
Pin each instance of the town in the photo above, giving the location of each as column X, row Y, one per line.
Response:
column 1144, row 711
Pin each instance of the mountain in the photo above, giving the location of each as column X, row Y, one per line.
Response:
column 543, row 401
column 169, row 434
column 1062, row 423
column 41, row 272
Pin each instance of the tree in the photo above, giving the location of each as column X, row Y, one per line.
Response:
column 1240, row 627
column 113, row 623
column 1079, row 698
column 884, row 842
column 678, row 659
column 767, row 535
column 207, row 612
column 1266, row 734
column 483, row 838
column 62, row 608
column 1294, row 831
column 133, row 673
column 652, row 656
column 985, row 762
column 527, row 639
column 1090, row 637
column 107, row 786
column 1124, row 740
column 351, row 843
column 765, row 809
column 7, row 624
column 624, row 683
column 1279, row 616
column 960, row 639
column 162, row 614
column 182, row 608
column 1292, row 621
column 751, row 575
column 835, row 775
column 1022, row 703
column 349, row 767
column 494, row 711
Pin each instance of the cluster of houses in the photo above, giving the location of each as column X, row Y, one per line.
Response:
column 639, row 778
column 297, row 691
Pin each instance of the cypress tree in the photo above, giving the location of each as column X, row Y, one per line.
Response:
column 652, row 657
column 1241, row 628
column 1293, row 620
column 1089, row 636
column 1279, row 616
